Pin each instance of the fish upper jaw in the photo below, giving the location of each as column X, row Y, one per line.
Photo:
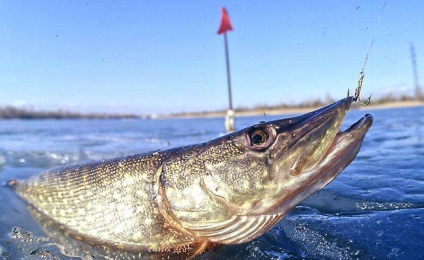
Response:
column 310, row 138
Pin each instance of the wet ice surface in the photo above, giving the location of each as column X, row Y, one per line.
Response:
column 374, row 209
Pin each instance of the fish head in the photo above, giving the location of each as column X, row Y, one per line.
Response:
column 256, row 175
column 293, row 158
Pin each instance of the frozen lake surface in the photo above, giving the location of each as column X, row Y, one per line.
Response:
column 374, row 209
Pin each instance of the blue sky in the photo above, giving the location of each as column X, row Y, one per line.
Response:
column 165, row 56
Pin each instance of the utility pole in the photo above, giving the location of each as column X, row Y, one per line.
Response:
column 418, row 91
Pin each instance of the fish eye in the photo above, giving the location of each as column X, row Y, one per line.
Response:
column 259, row 138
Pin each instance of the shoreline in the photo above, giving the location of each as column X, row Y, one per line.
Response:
column 16, row 114
column 294, row 110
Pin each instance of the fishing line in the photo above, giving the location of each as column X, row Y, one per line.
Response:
column 362, row 73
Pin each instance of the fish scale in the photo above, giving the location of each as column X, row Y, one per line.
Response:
column 81, row 205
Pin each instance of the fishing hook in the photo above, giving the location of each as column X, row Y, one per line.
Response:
column 357, row 96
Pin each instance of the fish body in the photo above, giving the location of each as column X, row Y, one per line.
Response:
column 226, row 191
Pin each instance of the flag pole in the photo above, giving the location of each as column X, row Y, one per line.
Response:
column 227, row 59
column 230, row 117
column 223, row 28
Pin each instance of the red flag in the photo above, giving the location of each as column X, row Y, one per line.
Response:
column 225, row 22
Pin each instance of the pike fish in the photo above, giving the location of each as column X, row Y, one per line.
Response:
column 184, row 200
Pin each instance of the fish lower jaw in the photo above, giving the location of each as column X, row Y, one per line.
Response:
column 347, row 143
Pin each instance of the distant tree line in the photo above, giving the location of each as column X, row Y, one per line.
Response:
column 392, row 97
column 10, row 112
column 310, row 103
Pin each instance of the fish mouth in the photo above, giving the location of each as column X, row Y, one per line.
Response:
column 320, row 153
column 344, row 146
column 342, row 150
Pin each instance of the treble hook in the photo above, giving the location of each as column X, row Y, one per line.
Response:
column 357, row 96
